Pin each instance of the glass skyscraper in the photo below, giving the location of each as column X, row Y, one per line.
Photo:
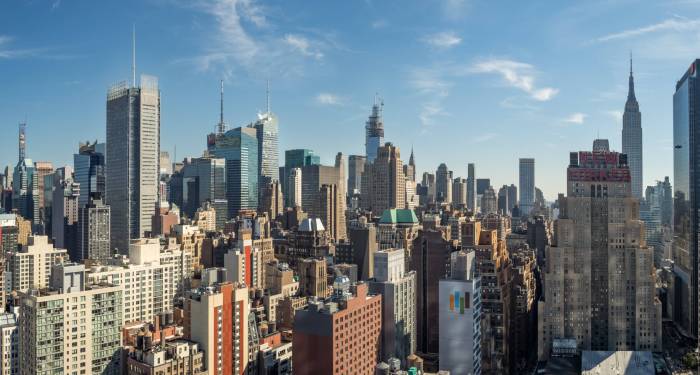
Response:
column 133, row 155
column 268, row 150
column 686, row 165
column 89, row 164
column 239, row 147
column 527, row 185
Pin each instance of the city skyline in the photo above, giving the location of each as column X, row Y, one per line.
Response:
column 426, row 75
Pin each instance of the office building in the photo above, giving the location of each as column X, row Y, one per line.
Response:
column 686, row 207
column 356, row 167
column 489, row 202
column 30, row 266
column 89, row 170
column 383, row 182
column 481, row 185
column 93, row 231
column 431, row 261
column 204, row 180
column 294, row 188
column 133, row 154
column 374, row 131
column 363, row 239
column 460, row 317
column 296, row 158
column 599, row 277
column 312, row 277
column 267, row 134
column 527, row 185
column 64, row 217
column 632, row 138
column 71, row 327
column 471, row 187
column 244, row 263
column 443, row 184
column 239, row 147
column 271, row 198
column 398, row 290
column 459, row 192
column 340, row 335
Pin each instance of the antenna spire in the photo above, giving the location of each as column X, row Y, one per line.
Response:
column 221, row 128
column 630, row 62
column 267, row 96
column 133, row 55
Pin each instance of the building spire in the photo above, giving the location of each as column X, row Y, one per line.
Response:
column 221, row 129
column 133, row 55
column 630, row 93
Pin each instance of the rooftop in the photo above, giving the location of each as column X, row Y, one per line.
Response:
column 398, row 216
column 617, row 362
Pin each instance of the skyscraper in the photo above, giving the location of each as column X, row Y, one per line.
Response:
column 64, row 215
column 89, row 165
column 383, row 182
column 374, row 131
column 268, row 150
column 296, row 158
column 686, row 206
column 93, row 230
column 471, row 187
column 239, row 147
column 133, row 155
column 599, row 275
column 356, row 166
column 632, row 138
column 294, row 187
column 443, row 184
column 527, row 185
column 25, row 184
column 398, row 290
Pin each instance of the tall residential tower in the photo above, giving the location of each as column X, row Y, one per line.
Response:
column 374, row 131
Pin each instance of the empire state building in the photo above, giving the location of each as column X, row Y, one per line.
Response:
column 632, row 138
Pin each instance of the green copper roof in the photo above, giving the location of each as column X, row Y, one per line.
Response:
column 395, row 216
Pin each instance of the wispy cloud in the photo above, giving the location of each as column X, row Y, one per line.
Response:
column 303, row 45
column 672, row 24
column 485, row 137
column 443, row 40
column 615, row 114
column 243, row 36
column 8, row 51
column 326, row 98
column 516, row 74
column 454, row 9
column 430, row 83
column 379, row 24
column 576, row 118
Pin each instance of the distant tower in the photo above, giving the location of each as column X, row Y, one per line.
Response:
column 132, row 158
column 374, row 130
column 527, row 185
column 22, row 141
column 632, row 137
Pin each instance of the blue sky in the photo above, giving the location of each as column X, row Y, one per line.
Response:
column 462, row 80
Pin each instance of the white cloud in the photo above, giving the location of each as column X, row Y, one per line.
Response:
column 380, row 24
column 576, row 118
column 303, row 45
column 443, row 40
column 516, row 74
column 454, row 9
column 671, row 24
column 615, row 114
column 485, row 137
column 429, row 114
column 243, row 37
column 326, row 98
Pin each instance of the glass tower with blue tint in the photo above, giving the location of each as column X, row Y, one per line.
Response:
column 89, row 164
column 239, row 147
column 686, row 165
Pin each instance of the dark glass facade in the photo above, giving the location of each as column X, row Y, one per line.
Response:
column 686, row 155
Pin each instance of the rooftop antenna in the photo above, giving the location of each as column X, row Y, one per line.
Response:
column 267, row 96
column 222, row 126
column 630, row 62
column 133, row 55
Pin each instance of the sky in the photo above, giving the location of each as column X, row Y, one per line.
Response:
column 462, row 81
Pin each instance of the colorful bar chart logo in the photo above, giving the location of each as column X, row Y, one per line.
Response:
column 458, row 302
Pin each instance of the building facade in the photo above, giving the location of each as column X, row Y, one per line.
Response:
column 527, row 185
column 632, row 139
